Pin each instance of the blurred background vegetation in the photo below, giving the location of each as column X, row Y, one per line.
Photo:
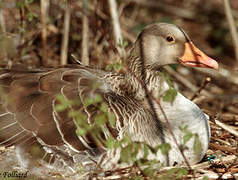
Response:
column 36, row 37
column 21, row 27
column 45, row 33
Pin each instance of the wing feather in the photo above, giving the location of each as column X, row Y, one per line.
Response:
column 33, row 100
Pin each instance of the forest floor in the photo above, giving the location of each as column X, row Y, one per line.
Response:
column 205, row 23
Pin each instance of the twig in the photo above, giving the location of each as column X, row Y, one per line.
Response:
column 84, row 175
column 64, row 46
column 221, row 75
column 223, row 148
column 44, row 14
column 204, row 84
column 220, row 141
column 116, row 26
column 185, row 82
column 84, row 45
column 3, row 31
column 2, row 22
column 232, row 27
column 228, row 128
column 226, row 159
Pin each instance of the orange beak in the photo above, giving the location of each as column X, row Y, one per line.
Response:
column 194, row 57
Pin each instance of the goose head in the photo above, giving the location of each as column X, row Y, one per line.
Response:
column 162, row 44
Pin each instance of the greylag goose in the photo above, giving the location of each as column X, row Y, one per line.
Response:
column 29, row 100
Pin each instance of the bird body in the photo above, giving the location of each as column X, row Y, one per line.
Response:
column 29, row 100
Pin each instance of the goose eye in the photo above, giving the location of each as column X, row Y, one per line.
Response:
column 170, row 39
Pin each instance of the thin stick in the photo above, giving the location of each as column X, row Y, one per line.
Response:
column 204, row 84
column 116, row 26
column 185, row 82
column 226, row 159
column 44, row 14
column 84, row 45
column 221, row 75
column 232, row 27
column 228, row 128
column 3, row 31
column 65, row 40
column 2, row 22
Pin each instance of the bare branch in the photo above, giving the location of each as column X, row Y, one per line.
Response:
column 84, row 45
column 116, row 26
column 204, row 84
column 228, row 128
column 222, row 74
column 232, row 27
column 44, row 15
column 2, row 22
column 65, row 40
column 186, row 82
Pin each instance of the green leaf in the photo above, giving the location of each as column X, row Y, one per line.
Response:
column 187, row 137
column 111, row 143
column 205, row 178
column 197, row 146
column 146, row 151
column 63, row 100
column 109, row 67
column 148, row 171
column 100, row 119
column 117, row 66
column 170, row 95
column 97, row 98
column 155, row 149
column 80, row 168
column 164, row 75
column 81, row 132
column 60, row 107
column 182, row 172
column 122, row 43
column 125, row 44
column 165, row 148
column 30, row 16
column 19, row 4
column 104, row 107
column 87, row 102
column 126, row 154
column 111, row 118
column 172, row 171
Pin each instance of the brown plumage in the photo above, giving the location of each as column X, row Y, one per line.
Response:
column 29, row 98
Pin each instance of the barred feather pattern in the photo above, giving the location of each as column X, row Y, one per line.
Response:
column 29, row 115
column 28, row 101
